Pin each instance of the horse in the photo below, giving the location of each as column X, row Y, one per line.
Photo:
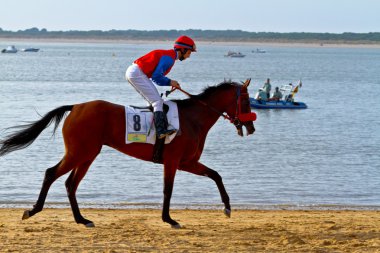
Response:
column 93, row 124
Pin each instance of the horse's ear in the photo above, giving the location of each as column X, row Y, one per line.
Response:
column 247, row 82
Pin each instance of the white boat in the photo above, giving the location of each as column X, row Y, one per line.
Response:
column 10, row 49
column 258, row 50
column 234, row 54
column 30, row 49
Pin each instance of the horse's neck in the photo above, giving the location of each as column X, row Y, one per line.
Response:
column 207, row 112
column 208, row 116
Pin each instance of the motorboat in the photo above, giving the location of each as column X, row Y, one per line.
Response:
column 30, row 49
column 234, row 54
column 281, row 104
column 258, row 50
column 288, row 92
column 10, row 49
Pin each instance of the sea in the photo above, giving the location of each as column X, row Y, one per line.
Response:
column 324, row 157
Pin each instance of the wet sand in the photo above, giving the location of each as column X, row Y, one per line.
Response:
column 54, row 230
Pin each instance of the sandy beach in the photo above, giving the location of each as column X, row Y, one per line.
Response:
column 258, row 44
column 54, row 230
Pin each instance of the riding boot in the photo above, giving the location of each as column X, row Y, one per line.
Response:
column 161, row 124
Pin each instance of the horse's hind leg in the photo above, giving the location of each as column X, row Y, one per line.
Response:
column 51, row 175
column 72, row 183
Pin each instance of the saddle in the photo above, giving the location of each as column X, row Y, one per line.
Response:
column 150, row 108
column 140, row 127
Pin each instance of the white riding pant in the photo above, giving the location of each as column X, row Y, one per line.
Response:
column 144, row 86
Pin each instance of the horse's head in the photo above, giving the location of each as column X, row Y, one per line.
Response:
column 240, row 114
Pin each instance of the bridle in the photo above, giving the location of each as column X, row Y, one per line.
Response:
column 239, row 117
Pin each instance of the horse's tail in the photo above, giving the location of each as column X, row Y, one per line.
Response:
column 28, row 133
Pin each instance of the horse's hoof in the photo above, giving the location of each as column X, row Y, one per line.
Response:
column 227, row 212
column 26, row 215
column 177, row 226
column 90, row 225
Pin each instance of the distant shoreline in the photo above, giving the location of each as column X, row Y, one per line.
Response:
column 279, row 43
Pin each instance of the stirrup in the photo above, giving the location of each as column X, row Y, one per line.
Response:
column 166, row 133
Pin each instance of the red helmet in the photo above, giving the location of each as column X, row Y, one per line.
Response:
column 185, row 42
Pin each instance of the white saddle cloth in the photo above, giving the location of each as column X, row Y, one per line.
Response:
column 140, row 126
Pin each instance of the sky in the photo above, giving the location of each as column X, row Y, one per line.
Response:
column 331, row 16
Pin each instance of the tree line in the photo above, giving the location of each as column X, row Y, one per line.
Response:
column 202, row 35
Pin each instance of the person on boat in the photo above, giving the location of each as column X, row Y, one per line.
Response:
column 262, row 95
column 289, row 97
column 267, row 87
column 277, row 95
column 152, row 69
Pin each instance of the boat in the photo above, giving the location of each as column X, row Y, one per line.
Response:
column 282, row 104
column 288, row 102
column 234, row 54
column 30, row 49
column 258, row 50
column 10, row 49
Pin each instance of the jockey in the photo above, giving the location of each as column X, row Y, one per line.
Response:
column 151, row 69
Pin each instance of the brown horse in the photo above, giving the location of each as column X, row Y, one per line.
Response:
column 91, row 125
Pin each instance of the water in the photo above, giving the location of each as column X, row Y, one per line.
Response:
column 325, row 156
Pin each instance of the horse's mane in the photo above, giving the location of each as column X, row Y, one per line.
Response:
column 207, row 92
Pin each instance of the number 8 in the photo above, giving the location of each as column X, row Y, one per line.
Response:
column 136, row 124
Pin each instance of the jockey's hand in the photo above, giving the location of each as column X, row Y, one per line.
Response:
column 175, row 84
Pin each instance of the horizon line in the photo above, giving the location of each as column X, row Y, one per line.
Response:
column 190, row 29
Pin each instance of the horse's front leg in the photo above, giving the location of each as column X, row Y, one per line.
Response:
column 169, row 175
column 222, row 190
column 202, row 170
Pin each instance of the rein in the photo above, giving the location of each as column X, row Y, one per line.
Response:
column 239, row 117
